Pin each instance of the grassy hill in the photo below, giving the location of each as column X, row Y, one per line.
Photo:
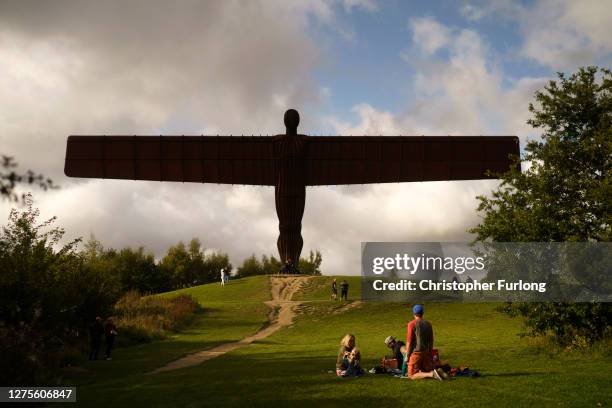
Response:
column 294, row 366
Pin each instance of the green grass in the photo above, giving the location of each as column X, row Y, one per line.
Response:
column 292, row 367
column 229, row 314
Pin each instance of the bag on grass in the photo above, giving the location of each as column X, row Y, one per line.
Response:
column 389, row 363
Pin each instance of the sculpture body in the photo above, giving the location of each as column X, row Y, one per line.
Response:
column 290, row 162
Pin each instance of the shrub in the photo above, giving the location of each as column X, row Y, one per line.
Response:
column 570, row 325
column 46, row 298
column 141, row 319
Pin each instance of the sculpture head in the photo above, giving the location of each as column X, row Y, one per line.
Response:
column 292, row 120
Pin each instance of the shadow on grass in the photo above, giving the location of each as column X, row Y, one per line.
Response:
column 518, row 374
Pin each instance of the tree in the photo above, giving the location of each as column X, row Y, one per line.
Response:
column 10, row 178
column 189, row 266
column 270, row 265
column 565, row 193
column 176, row 264
column 100, row 286
column 250, row 267
column 46, row 297
column 137, row 271
column 312, row 264
column 213, row 263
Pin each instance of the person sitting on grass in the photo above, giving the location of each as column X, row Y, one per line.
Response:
column 395, row 346
column 419, row 346
column 349, row 357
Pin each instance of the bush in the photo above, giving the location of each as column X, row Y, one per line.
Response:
column 570, row 325
column 141, row 319
column 46, row 298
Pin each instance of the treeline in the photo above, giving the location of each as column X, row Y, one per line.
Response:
column 269, row 265
column 183, row 266
column 134, row 269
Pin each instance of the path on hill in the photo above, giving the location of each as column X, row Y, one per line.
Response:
column 282, row 313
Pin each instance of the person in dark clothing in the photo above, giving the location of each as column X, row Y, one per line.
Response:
column 396, row 347
column 334, row 290
column 96, row 330
column 344, row 290
column 288, row 267
column 110, row 332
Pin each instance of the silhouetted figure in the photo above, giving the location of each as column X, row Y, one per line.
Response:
column 288, row 267
column 334, row 290
column 96, row 330
column 344, row 289
column 290, row 162
column 110, row 332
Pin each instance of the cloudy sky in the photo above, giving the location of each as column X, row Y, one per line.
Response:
column 233, row 67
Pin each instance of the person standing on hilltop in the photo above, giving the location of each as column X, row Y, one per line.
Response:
column 344, row 286
column 334, row 290
column 289, row 267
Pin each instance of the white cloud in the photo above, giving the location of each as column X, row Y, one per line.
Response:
column 472, row 12
column 565, row 34
column 462, row 93
column 559, row 34
column 88, row 67
column 371, row 122
column 429, row 35
column 369, row 5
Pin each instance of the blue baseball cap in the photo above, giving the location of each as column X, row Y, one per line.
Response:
column 417, row 309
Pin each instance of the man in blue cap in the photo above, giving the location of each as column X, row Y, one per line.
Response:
column 419, row 346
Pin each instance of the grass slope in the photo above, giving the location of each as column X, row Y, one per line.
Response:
column 292, row 367
column 229, row 314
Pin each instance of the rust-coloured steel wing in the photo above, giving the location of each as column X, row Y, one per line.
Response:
column 200, row 159
column 395, row 159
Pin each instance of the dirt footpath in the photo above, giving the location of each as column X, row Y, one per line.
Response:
column 281, row 315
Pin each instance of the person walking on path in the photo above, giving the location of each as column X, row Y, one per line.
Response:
column 96, row 330
column 344, row 286
column 110, row 332
column 222, row 277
